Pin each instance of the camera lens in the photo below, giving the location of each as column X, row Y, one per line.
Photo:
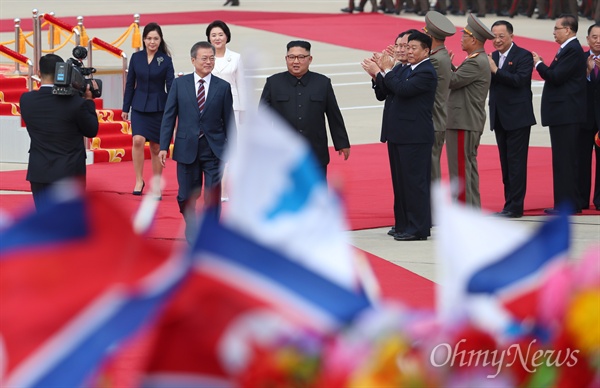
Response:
column 80, row 52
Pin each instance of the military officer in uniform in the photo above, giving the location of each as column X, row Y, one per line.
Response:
column 469, row 85
column 438, row 27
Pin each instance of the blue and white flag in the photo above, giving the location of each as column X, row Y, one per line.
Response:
column 279, row 197
column 486, row 262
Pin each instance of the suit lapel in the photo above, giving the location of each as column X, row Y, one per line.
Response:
column 214, row 84
column 496, row 57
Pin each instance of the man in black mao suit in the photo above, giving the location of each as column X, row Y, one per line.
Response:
column 590, row 128
column 303, row 99
column 511, row 114
column 564, row 109
column 202, row 106
column 57, row 126
column 408, row 129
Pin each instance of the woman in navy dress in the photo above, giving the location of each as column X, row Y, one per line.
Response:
column 149, row 79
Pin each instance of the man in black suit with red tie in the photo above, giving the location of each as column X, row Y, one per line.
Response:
column 511, row 114
column 590, row 128
column 564, row 109
column 56, row 125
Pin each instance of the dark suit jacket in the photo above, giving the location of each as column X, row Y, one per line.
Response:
column 217, row 121
column 510, row 97
column 563, row 97
column 304, row 104
column 145, row 86
column 593, row 100
column 382, row 93
column 409, row 119
column 56, row 126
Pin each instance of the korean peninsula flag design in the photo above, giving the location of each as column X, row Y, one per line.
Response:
column 279, row 197
column 486, row 262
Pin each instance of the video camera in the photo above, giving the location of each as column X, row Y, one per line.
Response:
column 71, row 77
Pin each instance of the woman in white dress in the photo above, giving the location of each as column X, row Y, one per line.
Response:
column 228, row 66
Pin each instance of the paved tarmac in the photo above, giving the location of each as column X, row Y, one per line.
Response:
column 361, row 111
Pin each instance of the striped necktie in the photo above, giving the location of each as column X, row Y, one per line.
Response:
column 201, row 98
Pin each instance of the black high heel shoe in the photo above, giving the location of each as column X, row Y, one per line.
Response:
column 141, row 191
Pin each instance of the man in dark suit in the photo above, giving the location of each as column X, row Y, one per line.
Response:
column 56, row 125
column 592, row 125
column 303, row 98
column 408, row 129
column 511, row 114
column 382, row 93
column 564, row 109
column 202, row 106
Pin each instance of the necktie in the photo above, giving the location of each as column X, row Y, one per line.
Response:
column 595, row 70
column 201, row 96
column 501, row 61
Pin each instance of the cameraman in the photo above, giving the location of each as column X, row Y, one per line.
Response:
column 56, row 125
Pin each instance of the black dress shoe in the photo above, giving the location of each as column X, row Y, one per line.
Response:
column 392, row 231
column 141, row 191
column 388, row 11
column 508, row 214
column 347, row 10
column 598, row 208
column 503, row 13
column 409, row 237
column 542, row 17
column 359, row 9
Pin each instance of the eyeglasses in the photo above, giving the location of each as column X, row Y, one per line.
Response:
column 301, row 58
column 560, row 28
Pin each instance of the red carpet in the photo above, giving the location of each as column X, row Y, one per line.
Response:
column 402, row 285
column 396, row 283
column 364, row 182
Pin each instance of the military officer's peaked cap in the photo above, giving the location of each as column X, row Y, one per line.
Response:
column 477, row 29
column 438, row 26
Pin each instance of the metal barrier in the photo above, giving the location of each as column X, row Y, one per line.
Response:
column 21, row 59
column 55, row 25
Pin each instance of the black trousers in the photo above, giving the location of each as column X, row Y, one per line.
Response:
column 564, row 139
column 410, row 165
column 513, row 148
column 585, row 148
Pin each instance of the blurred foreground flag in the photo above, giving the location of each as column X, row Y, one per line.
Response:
column 486, row 262
column 279, row 197
column 75, row 282
column 240, row 295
